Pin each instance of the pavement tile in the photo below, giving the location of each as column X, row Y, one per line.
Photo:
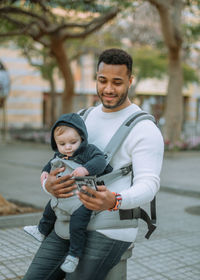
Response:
column 184, row 273
column 142, row 250
column 188, row 256
column 161, row 263
column 162, row 245
column 155, row 277
column 135, row 271
column 191, row 240
column 17, row 250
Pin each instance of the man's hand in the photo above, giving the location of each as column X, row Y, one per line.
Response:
column 60, row 187
column 103, row 199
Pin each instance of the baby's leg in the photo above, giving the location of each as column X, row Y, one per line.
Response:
column 45, row 226
column 78, row 225
column 48, row 220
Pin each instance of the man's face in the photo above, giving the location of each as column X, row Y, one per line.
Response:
column 113, row 83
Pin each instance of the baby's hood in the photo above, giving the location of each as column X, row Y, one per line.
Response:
column 75, row 121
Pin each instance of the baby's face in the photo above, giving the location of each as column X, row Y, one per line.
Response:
column 68, row 142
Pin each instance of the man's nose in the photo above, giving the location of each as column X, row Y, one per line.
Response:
column 108, row 88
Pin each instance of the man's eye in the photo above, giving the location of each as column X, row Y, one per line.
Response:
column 102, row 81
column 118, row 84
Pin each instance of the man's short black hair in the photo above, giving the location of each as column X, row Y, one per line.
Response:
column 116, row 57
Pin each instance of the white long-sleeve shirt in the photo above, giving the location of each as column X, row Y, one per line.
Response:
column 143, row 147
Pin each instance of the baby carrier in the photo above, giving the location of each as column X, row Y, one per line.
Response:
column 113, row 145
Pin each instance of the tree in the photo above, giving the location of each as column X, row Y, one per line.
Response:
column 52, row 24
column 170, row 14
column 39, row 57
column 143, row 40
column 152, row 63
column 148, row 63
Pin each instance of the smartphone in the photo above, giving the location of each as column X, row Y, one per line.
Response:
column 89, row 181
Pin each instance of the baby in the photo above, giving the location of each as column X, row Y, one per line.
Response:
column 69, row 141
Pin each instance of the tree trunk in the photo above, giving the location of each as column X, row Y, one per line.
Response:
column 53, row 100
column 58, row 50
column 170, row 12
column 174, row 101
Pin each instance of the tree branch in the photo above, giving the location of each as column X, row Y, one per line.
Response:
column 91, row 26
column 82, row 25
column 168, row 21
column 78, row 54
column 10, row 34
column 14, row 21
column 14, row 10
column 45, row 9
column 42, row 41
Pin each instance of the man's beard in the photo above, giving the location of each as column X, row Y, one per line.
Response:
column 117, row 104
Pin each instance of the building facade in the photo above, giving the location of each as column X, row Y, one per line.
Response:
column 28, row 103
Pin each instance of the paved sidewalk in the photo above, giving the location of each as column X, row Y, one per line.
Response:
column 173, row 252
column 180, row 173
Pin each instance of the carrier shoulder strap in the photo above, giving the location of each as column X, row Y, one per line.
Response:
column 85, row 112
column 122, row 132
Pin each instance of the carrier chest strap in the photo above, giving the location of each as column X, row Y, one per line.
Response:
column 115, row 174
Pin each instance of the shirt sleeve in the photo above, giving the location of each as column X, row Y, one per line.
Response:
column 147, row 155
column 44, row 188
column 96, row 163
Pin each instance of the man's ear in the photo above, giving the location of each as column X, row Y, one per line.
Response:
column 131, row 80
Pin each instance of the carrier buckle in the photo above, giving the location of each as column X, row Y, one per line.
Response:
column 125, row 170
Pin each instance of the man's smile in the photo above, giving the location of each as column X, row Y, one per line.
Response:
column 109, row 97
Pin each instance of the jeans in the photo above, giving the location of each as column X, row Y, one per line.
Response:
column 100, row 255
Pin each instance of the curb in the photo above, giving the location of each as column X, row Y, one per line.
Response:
column 20, row 220
column 178, row 191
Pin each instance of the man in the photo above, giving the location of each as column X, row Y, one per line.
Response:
column 108, row 237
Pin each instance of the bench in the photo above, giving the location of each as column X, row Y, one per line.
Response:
column 119, row 272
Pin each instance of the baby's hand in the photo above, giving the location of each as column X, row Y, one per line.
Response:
column 80, row 171
column 43, row 176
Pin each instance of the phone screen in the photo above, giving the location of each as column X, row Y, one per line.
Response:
column 89, row 181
